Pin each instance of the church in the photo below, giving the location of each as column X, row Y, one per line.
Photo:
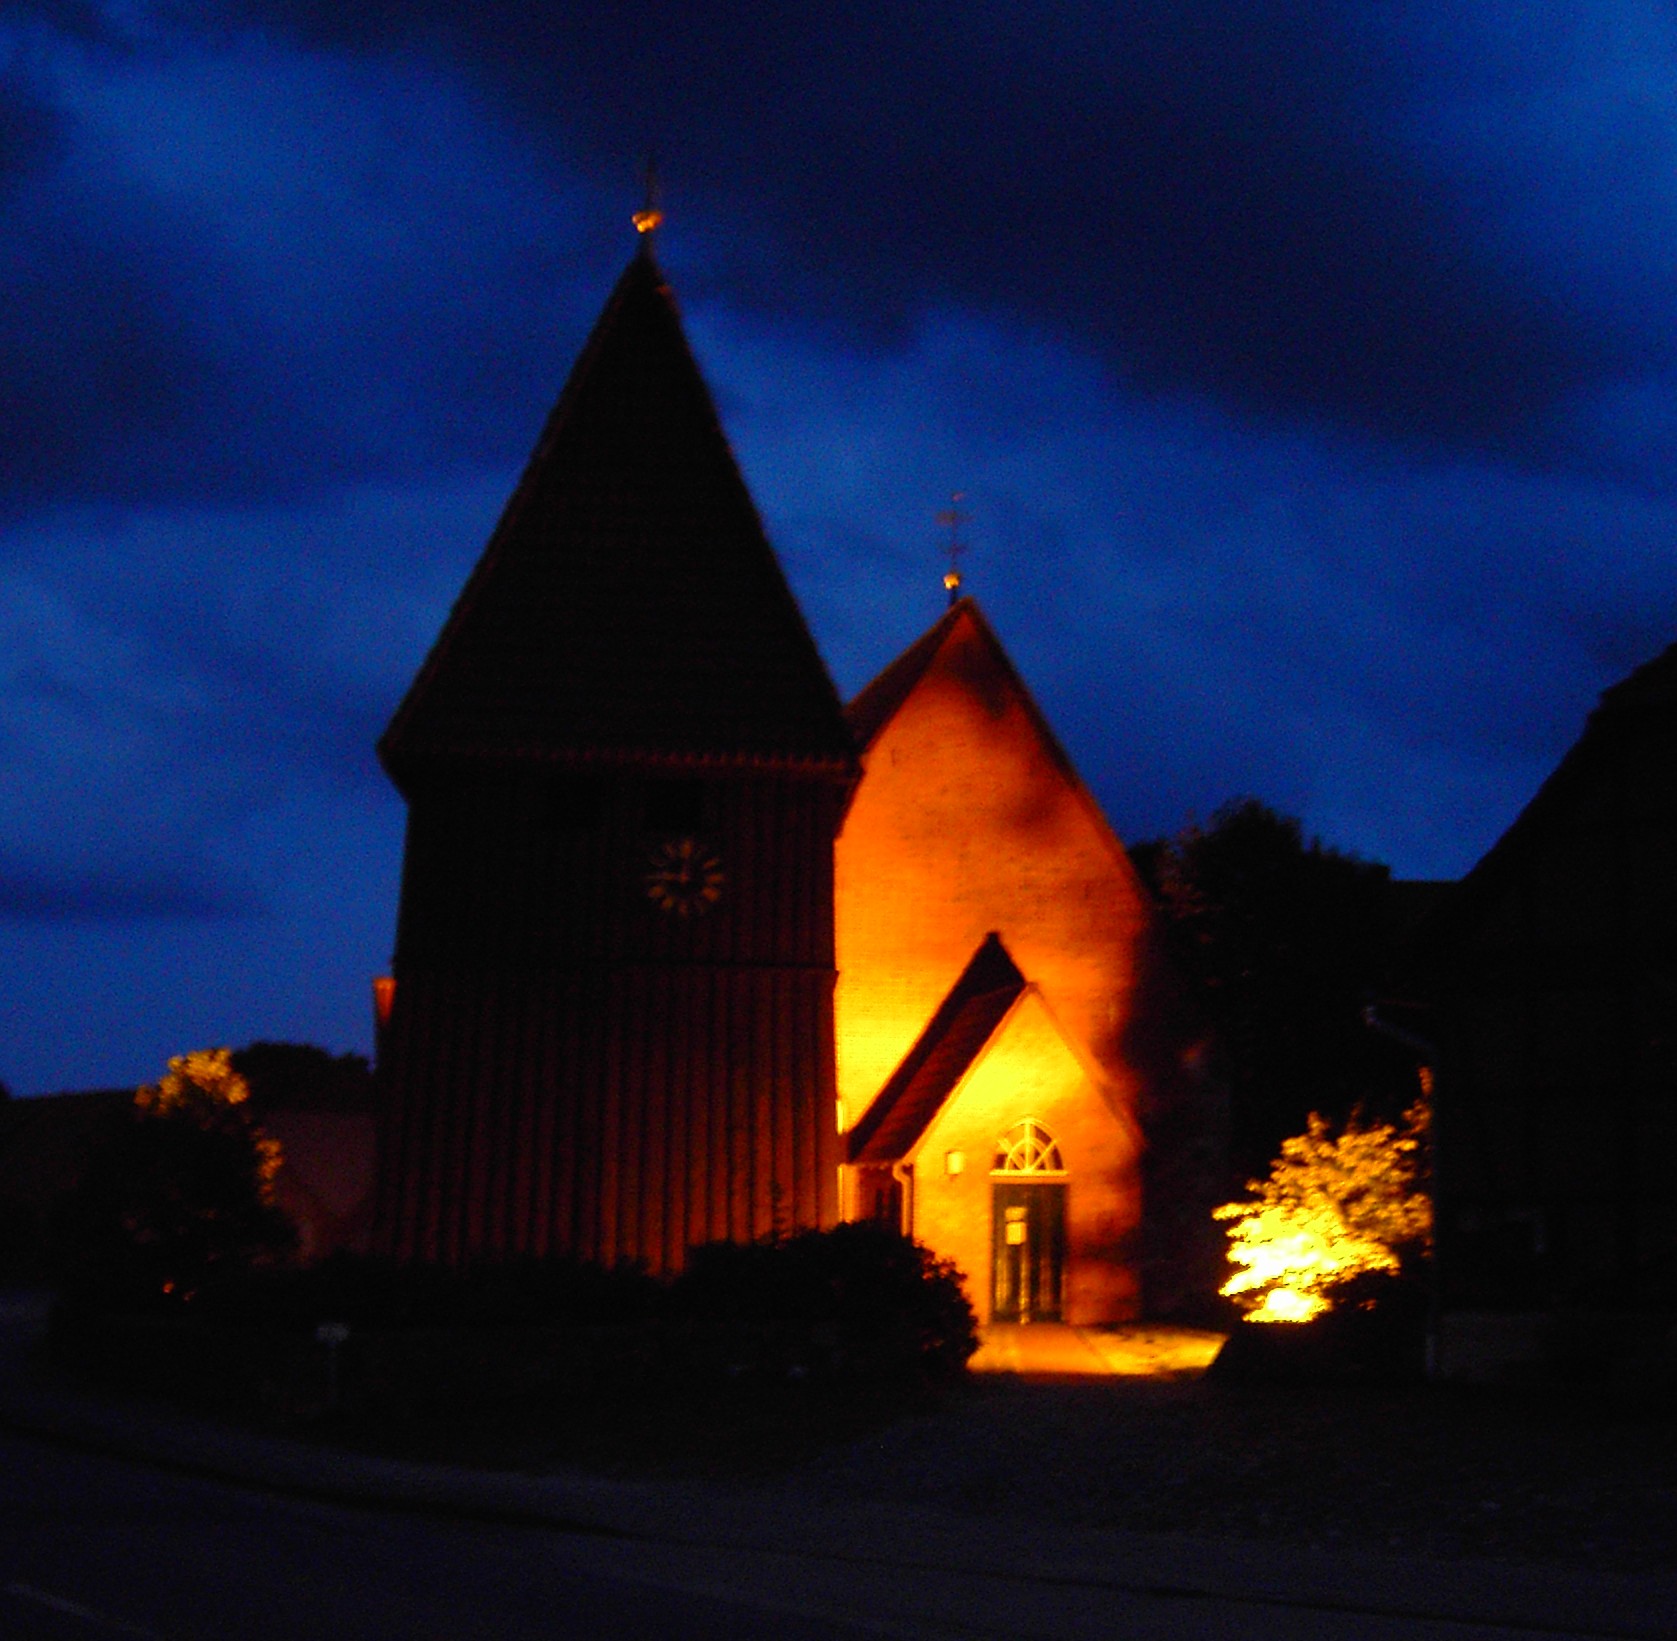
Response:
column 690, row 950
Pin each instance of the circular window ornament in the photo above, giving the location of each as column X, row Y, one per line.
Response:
column 684, row 878
column 1028, row 1148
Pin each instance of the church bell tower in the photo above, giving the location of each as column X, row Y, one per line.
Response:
column 625, row 765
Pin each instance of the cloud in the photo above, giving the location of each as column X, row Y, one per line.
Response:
column 104, row 1003
column 353, row 223
column 1307, row 369
column 240, row 274
column 29, row 894
column 169, row 680
column 94, row 349
column 1396, row 649
column 31, row 130
column 1273, row 205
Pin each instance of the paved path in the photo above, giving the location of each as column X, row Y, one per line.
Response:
column 1139, row 1350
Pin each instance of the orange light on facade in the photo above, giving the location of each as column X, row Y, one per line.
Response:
column 646, row 221
column 970, row 826
column 384, row 999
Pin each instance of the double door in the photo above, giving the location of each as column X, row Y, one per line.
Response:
column 1028, row 1243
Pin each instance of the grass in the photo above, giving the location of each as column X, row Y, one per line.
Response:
column 743, row 1432
column 1547, row 1474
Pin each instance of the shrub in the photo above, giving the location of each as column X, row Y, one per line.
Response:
column 369, row 1292
column 859, row 1300
column 1376, row 1330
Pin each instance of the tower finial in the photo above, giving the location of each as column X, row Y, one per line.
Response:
column 646, row 219
column 952, row 518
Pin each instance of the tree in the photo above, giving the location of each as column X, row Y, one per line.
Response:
column 1332, row 1208
column 301, row 1076
column 1280, row 943
column 181, row 1192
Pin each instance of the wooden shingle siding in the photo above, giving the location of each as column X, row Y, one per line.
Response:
column 485, row 883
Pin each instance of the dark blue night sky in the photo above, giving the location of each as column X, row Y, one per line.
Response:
column 1310, row 371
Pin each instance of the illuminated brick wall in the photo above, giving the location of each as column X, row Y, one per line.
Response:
column 968, row 820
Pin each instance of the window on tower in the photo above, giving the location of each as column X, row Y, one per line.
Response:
column 674, row 805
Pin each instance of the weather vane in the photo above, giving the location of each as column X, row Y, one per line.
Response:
column 649, row 216
column 951, row 519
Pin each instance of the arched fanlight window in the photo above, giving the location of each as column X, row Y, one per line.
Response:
column 1027, row 1148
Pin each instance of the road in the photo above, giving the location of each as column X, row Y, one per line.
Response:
column 93, row 1548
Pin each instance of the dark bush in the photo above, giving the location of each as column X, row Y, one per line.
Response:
column 859, row 1300
column 1379, row 1324
column 377, row 1293
column 176, row 1354
column 858, row 1307
column 1376, row 1330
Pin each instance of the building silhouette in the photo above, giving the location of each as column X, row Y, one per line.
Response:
column 1552, row 968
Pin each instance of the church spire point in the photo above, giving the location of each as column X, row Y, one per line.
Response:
column 648, row 217
column 952, row 518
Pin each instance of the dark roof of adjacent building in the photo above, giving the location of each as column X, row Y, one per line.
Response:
column 1653, row 684
column 45, row 1140
column 965, row 1021
column 1633, row 718
column 628, row 604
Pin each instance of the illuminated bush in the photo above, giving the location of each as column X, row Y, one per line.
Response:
column 181, row 1191
column 1334, row 1207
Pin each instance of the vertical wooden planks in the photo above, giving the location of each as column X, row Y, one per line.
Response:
column 672, row 1086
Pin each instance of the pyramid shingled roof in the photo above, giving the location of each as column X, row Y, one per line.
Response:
column 965, row 1021
column 628, row 604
